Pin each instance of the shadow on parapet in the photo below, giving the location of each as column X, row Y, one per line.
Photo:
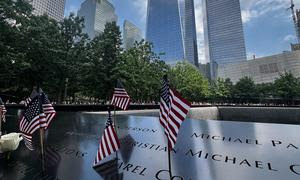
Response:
column 208, row 147
column 109, row 170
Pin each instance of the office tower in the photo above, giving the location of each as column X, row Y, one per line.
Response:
column 189, row 33
column 96, row 14
column 53, row 8
column 264, row 69
column 298, row 25
column 296, row 19
column 223, row 33
column 164, row 30
column 131, row 34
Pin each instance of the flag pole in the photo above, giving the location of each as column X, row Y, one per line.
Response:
column 169, row 158
column 42, row 135
column 115, row 120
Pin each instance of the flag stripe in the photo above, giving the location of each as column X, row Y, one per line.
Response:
column 102, row 155
column 104, row 146
column 120, row 98
column 109, row 142
column 173, row 110
column 114, row 146
column 38, row 113
column 108, row 145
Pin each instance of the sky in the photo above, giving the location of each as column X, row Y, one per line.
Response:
column 268, row 25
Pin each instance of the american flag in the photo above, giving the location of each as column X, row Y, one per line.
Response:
column 48, row 110
column 32, row 119
column 173, row 110
column 120, row 97
column 2, row 111
column 109, row 142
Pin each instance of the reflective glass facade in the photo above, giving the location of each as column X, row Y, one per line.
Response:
column 223, row 30
column 131, row 34
column 297, row 24
column 53, row 8
column 96, row 14
column 164, row 30
column 190, row 37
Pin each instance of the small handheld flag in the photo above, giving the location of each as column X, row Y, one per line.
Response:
column 38, row 113
column 173, row 110
column 48, row 110
column 32, row 119
column 120, row 97
column 109, row 142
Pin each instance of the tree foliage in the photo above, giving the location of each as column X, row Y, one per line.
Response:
column 189, row 81
column 221, row 89
column 245, row 88
column 101, row 68
column 58, row 56
column 287, row 86
column 142, row 71
column 13, row 16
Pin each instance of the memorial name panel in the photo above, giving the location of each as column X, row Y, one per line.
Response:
column 205, row 149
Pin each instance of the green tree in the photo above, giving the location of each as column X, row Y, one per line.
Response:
column 39, row 50
column 142, row 71
column 189, row 81
column 265, row 90
column 245, row 89
column 287, row 86
column 71, row 55
column 230, row 87
column 221, row 89
column 102, row 68
column 39, row 46
column 13, row 16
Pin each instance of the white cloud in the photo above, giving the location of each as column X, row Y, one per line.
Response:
column 248, row 15
column 289, row 38
column 255, row 8
column 250, row 55
column 141, row 7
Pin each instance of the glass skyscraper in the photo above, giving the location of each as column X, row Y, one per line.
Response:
column 223, row 33
column 164, row 30
column 53, row 8
column 189, row 33
column 131, row 34
column 96, row 14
